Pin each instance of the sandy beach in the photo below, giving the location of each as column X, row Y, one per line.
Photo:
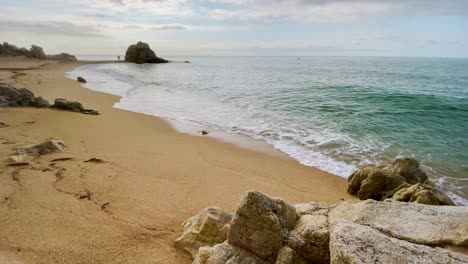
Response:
column 130, row 208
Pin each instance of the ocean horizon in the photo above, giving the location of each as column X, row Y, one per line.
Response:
column 335, row 113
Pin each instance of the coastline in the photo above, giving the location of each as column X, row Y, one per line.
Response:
column 155, row 177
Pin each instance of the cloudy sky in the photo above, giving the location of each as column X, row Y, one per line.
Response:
column 241, row 27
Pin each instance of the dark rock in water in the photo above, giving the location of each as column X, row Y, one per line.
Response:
column 2, row 124
column 62, row 57
column 81, row 79
column 141, row 53
column 11, row 97
column 402, row 181
column 204, row 132
column 73, row 106
column 187, row 62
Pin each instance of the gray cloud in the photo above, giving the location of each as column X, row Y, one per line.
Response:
column 169, row 27
column 50, row 27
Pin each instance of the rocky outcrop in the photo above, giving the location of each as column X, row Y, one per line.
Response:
column 207, row 228
column 416, row 223
column 268, row 230
column 354, row 243
column 11, row 97
column 47, row 147
column 142, row 53
column 81, row 79
column 73, row 106
column 403, row 181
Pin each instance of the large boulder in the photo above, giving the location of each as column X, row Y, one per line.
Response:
column 11, row 97
column 226, row 253
column 207, row 228
column 261, row 225
column 73, row 106
column 142, row 53
column 287, row 255
column 412, row 222
column 403, row 181
column 310, row 238
column 355, row 243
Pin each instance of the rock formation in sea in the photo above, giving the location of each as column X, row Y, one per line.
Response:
column 403, row 181
column 267, row 230
column 36, row 52
column 142, row 53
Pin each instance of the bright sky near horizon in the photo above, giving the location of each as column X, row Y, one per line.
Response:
column 437, row 28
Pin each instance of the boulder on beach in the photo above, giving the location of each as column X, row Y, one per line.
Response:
column 207, row 228
column 404, row 181
column 47, row 147
column 142, row 53
column 73, row 106
column 12, row 97
column 268, row 230
column 2, row 124
column 81, row 79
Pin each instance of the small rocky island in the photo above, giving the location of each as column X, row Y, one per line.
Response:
column 142, row 53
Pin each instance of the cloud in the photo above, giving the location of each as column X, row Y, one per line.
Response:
column 51, row 27
column 331, row 11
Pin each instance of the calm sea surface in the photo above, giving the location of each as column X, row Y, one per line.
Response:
column 333, row 113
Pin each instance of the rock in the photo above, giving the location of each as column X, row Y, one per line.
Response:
column 412, row 222
column 226, row 254
column 204, row 132
column 141, row 53
column 2, row 124
column 17, row 158
column 354, row 181
column 409, row 169
column 81, row 79
column 394, row 181
column 381, row 184
column 310, row 238
column 354, row 243
column 312, row 208
column 47, row 147
column 73, row 106
column 261, row 225
column 207, row 228
column 422, row 194
column 11, row 97
column 287, row 255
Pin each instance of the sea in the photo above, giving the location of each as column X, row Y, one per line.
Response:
column 333, row 113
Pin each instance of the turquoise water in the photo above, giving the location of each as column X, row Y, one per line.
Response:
column 334, row 113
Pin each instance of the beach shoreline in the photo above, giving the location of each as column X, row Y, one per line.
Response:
column 154, row 177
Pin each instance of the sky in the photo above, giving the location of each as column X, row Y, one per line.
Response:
column 241, row 27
